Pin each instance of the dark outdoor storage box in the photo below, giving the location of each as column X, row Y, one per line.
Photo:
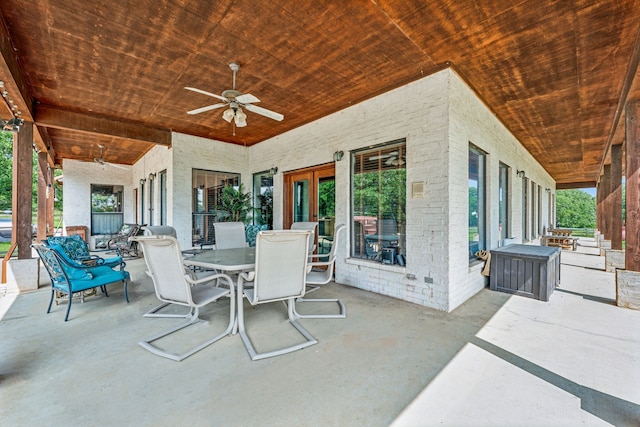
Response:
column 527, row 270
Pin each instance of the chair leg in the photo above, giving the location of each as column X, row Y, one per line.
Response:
column 309, row 340
column 53, row 293
column 191, row 319
column 341, row 306
column 66, row 317
column 126, row 293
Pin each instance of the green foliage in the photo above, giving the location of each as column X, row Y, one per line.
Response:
column 6, row 169
column 265, row 211
column 575, row 209
column 381, row 194
column 235, row 204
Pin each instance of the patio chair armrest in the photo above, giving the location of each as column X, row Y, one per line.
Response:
column 209, row 278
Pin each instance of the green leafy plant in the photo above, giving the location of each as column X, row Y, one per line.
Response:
column 235, row 204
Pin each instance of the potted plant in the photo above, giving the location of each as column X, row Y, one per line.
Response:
column 236, row 205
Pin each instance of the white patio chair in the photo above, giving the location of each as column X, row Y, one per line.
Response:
column 307, row 225
column 322, row 273
column 281, row 267
column 230, row 235
column 176, row 286
column 162, row 230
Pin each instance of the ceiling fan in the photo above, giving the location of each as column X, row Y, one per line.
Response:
column 391, row 159
column 235, row 101
column 101, row 161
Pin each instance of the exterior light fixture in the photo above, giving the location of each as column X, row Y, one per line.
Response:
column 337, row 156
column 152, row 176
column 142, row 181
column 273, row 170
column 520, row 173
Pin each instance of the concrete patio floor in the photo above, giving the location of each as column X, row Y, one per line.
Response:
column 498, row 360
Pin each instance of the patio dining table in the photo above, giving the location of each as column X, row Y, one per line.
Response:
column 234, row 260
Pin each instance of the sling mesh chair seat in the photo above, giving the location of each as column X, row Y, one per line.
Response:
column 322, row 273
column 279, row 275
column 173, row 284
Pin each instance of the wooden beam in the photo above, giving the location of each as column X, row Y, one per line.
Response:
column 17, row 88
column 53, row 117
column 606, row 202
column 624, row 93
column 632, row 249
column 45, row 198
column 21, row 190
column 574, row 185
column 616, row 197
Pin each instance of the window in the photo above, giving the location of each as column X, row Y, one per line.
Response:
column 503, row 202
column 540, row 210
column 379, row 191
column 532, row 216
column 263, row 198
column 163, row 197
column 206, row 196
column 142, row 216
column 525, row 211
column 476, row 201
column 106, row 209
column 151, row 180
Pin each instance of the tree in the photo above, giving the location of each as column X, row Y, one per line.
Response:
column 575, row 209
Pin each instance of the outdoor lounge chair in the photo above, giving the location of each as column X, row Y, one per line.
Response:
column 69, row 277
column 322, row 273
column 174, row 285
column 121, row 242
column 78, row 250
column 281, row 267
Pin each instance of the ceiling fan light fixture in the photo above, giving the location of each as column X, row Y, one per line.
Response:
column 241, row 118
column 228, row 114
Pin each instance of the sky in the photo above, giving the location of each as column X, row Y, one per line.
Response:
column 591, row 191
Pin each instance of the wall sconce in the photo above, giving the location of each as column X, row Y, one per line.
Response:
column 548, row 190
column 152, row 176
column 520, row 174
column 273, row 170
column 337, row 156
column 142, row 181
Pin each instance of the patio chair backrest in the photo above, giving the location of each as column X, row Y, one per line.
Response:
column 281, row 265
column 230, row 235
column 164, row 264
column 160, row 230
column 307, row 225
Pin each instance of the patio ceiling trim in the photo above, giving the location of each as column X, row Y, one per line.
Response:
column 18, row 90
column 622, row 100
column 53, row 117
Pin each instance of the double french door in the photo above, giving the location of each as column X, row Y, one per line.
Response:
column 310, row 196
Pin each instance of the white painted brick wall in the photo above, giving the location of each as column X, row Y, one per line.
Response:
column 77, row 180
column 438, row 115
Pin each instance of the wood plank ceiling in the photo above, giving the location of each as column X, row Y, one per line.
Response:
column 113, row 73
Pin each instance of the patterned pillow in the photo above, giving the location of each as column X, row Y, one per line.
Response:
column 73, row 245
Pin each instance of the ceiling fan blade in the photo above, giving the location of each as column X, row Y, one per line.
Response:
column 207, row 108
column 115, row 165
column 204, row 92
column 384, row 156
column 247, row 98
column 264, row 112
